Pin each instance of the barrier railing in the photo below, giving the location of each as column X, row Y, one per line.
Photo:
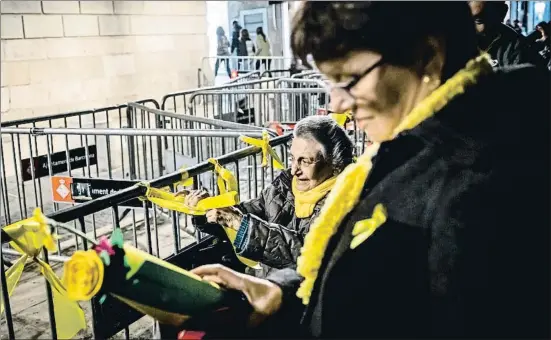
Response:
column 111, row 317
column 260, row 106
column 179, row 101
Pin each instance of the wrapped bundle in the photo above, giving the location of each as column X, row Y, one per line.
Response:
column 152, row 286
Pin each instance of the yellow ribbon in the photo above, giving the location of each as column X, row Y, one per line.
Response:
column 228, row 188
column 364, row 229
column 264, row 144
column 29, row 237
column 341, row 118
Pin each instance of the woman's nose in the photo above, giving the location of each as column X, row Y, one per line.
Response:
column 341, row 100
column 294, row 168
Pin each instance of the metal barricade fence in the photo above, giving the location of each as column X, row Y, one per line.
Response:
column 248, row 63
column 179, row 101
column 165, row 240
column 260, row 106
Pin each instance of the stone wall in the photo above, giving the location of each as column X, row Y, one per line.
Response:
column 60, row 56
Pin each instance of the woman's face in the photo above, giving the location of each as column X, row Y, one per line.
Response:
column 307, row 164
column 380, row 99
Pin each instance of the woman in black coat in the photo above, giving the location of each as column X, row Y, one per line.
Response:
column 441, row 229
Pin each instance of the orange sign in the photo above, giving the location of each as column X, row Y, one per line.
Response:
column 61, row 189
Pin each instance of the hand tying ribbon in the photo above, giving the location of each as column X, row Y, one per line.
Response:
column 264, row 144
column 29, row 237
column 364, row 229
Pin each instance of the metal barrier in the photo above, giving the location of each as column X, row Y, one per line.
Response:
column 178, row 101
column 112, row 317
column 260, row 106
column 248, row 63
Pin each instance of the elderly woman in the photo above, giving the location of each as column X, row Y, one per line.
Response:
column 271, row 228
column 441, row 229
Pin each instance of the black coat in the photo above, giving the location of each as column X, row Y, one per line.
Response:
column 511, row 48
column 465, row 249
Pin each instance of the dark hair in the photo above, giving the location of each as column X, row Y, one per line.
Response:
column 235, row 22
column 544, row 26
column 397, row 30
column 220, row 31
column 245, row 34
column 260, row 32
column 337, row 148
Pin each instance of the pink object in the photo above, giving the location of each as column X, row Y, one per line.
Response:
column 104, row 244
column 190, row 335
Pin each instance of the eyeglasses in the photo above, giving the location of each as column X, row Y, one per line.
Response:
column 347, row 87
column 303, row 162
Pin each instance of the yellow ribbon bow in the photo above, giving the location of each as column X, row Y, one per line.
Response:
column 29, row 237
column 364, row 229
column 341, row 118
column 264, row 144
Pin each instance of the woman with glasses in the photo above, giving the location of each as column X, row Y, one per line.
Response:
column 271, row 228
column 441, row 228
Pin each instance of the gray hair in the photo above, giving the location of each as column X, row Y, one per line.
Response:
column 337, row 148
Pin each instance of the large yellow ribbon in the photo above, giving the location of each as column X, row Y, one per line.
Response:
column 264, row 144
column 29, row 237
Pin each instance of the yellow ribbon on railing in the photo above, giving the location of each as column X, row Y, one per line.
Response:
column 29, row 237
column 228, row 188
column 264, row 144
column 365, row 228
column 341, row 118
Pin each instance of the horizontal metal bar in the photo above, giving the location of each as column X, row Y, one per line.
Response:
column 304, row 73
column 300, row 81
column 56, row 258
column 210, row 121
column 133, row 132
column 225, row 86
column 137, row 190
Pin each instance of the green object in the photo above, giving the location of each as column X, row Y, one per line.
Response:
column 104, row 256
column 102, row 299
column 117, row 238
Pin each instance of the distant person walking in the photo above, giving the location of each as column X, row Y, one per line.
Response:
column 222, row 50
column 246, row 49
column 262, row 49
column 235, row 37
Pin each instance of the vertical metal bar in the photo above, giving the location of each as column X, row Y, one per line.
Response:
column 6, row 298
column 23, row 208
column 50, row 299
column 147, row 227
column 5, row 186
column 39, row 181
column 108, row 146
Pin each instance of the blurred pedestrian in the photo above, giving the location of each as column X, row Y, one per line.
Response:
column 222, row 50
column 263, row 49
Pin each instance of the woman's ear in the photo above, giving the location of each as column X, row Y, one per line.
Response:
column 435, row 60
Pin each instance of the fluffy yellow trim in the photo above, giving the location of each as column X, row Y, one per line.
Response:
column 346, row 193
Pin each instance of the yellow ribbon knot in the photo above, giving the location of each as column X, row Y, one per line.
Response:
column 29, row 237
column 364, row 229
column 264, row 144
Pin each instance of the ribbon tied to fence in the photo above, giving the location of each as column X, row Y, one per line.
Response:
column 264, row 144
column 228, row 197
column 29, row 237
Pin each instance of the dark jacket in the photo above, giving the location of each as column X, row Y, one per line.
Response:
column 272, row 233
column 511, row 48
column 465, row 249
column 235, row 39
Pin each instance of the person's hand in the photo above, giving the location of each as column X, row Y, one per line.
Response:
column 264, row 296
column 227, row 217
column 193, row 197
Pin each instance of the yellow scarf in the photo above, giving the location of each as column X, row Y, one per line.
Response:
column 346, row 194
column 305, row 201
